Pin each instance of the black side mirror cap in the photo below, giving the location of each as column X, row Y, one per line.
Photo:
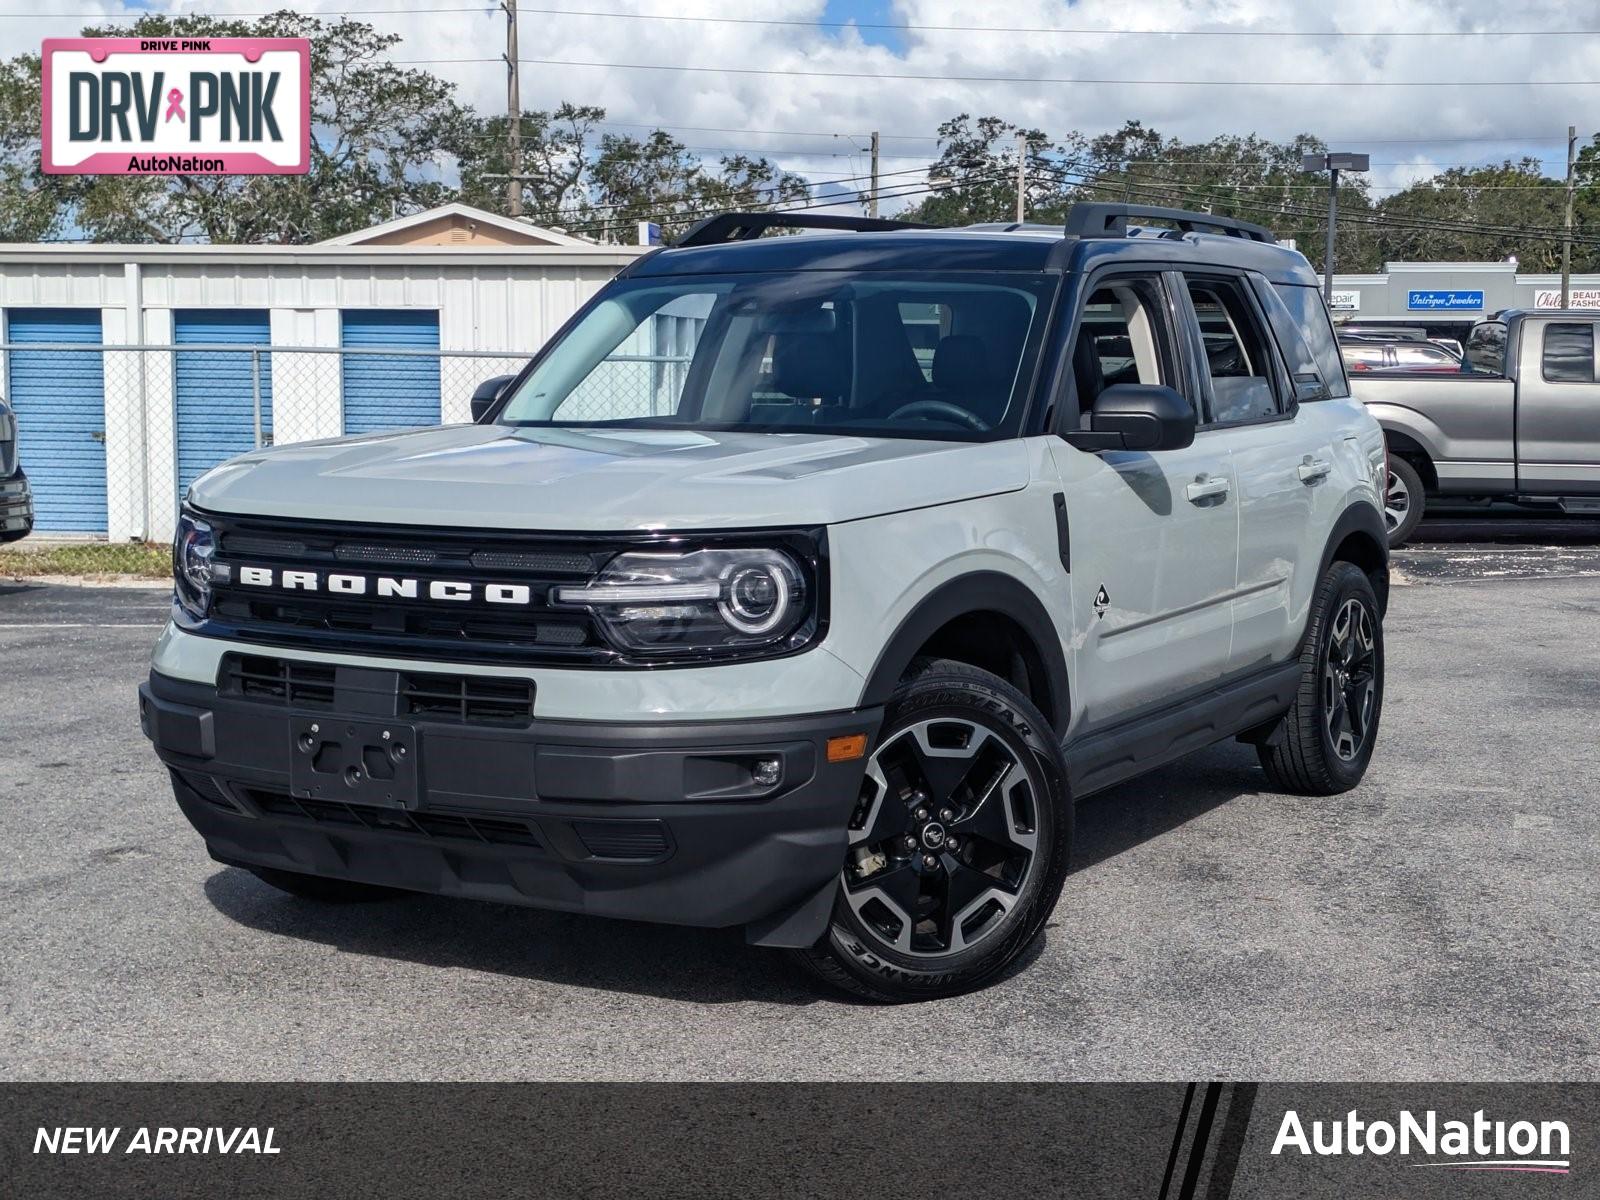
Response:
column 1136, row 416
column 486, row 393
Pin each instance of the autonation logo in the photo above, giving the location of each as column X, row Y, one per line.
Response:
column 1476, row 1145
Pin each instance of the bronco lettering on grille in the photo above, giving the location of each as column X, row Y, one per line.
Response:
column 385, row 587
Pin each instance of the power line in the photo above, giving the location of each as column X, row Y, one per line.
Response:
column 889, row 26
column 1058, row 79
column 1441, row 139
column 1082, row 30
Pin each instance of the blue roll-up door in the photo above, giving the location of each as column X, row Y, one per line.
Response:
column 60, row 401
column 390, row 391
column 216, row 388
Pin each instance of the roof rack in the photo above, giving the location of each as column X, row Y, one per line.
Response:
column 1111, row 221
column 743, row 226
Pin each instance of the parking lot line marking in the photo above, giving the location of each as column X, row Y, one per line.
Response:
column 78, row 625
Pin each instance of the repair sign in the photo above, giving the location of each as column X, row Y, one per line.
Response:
column 177, row 106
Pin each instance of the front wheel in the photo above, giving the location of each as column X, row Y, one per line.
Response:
column 1326, row 740
column 958, row 844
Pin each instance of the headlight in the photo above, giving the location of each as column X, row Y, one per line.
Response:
column 703, row 600
column 192, row 567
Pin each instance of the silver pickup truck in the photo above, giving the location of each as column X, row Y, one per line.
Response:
column 1519, row 422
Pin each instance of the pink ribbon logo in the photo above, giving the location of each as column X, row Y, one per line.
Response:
column 175, row 105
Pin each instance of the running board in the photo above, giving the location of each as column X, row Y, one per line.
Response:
column 1579, row 505
column 1101, row 760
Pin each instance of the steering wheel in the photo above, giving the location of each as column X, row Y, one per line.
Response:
column 941, row 408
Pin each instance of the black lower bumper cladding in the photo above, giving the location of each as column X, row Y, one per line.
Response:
column 667, row 822
column 16, row 505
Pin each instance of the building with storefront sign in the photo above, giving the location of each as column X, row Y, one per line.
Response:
column 1453, row 292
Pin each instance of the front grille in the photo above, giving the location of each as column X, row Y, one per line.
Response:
column 446, row 595
column 470, row 827
column 286, row 681
column 413, row 626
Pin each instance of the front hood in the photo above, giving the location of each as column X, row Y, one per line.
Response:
column 500, row 477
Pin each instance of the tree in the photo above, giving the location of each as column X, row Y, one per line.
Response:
column 976, row 174
column 31, row 202
column 1513, row 201
column 556, row 148
column 604, row 188
column 383, row 137
column 1249, row 177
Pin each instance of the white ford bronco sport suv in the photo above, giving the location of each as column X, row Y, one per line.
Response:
column 800, row 584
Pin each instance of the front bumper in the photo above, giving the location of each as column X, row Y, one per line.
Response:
column 16, row 506
column 655, row 822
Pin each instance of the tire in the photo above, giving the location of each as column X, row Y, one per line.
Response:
column 1404, row 501
column 1325, row 741
column 324, row 891
column 981, row 765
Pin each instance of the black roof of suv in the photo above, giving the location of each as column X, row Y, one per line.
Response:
column 732, row 243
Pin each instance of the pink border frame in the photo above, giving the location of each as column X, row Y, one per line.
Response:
column 241, row 162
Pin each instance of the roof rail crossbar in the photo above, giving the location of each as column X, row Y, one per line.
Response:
column 1111, row 221
column 743, row 226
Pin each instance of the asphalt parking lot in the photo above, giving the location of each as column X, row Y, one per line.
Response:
column 1436, row 923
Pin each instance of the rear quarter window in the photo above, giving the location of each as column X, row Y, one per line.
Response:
column 1311, row 316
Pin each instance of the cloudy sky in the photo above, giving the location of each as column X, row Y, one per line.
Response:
column 810, row 78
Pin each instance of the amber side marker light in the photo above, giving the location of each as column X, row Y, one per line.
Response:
column 847, row 748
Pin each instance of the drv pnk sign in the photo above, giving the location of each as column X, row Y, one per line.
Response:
column 177, row 106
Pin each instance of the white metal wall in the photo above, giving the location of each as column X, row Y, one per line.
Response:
column 487, row 299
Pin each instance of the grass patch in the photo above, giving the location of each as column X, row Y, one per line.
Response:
column 133, row 560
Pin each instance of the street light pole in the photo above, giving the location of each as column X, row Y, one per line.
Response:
column 1332, row 164
column 1333, row 224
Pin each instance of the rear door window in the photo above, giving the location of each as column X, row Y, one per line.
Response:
column 1486, row 348
column 1568, row 355
column 1238, row 353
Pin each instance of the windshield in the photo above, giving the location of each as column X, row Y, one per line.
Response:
column 915, row 356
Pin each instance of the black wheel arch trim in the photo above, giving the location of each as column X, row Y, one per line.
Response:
column 978, row 592
column 1363, row 518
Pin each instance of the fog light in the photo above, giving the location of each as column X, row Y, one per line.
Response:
column 767, row 772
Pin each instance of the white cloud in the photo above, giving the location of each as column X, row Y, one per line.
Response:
column 1404, row 128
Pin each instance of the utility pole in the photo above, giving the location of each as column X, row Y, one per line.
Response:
column 1566, row 224
column 1022, row 177
column 513, row 113
column 872, row 203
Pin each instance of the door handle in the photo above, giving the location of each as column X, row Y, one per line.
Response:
column 1205, row 487
column 1313, row 470
column 99, row 435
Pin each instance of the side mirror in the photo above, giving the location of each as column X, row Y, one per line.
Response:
column 486, row 393
column 1136, row 416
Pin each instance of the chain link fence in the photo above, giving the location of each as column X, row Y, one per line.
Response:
column 112, row 436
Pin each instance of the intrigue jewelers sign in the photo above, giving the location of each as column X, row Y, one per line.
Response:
column 177, row 106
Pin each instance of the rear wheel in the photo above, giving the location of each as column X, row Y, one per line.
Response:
column 327, row 891
column 1326, row 739
column 958, row 844
column 1403, row 501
